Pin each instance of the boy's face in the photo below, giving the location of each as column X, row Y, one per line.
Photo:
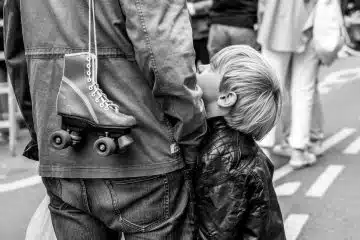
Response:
column 209, row 82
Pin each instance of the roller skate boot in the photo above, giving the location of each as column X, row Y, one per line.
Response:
column 85, row 108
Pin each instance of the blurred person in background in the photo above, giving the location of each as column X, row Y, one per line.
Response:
column 199, row 12
column 350, row 6
column 24, row 100
column 291, row 53
column 232, row 22
column 3, row 98
column 351, row 11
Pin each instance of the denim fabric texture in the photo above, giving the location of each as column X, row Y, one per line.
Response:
column 146, row 65
column 151, row 207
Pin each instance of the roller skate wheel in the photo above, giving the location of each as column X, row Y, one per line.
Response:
column 105, row 146
column 60, row 139
column 124, row 142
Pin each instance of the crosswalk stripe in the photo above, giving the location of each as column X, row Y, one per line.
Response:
column 294, row 224
column 337, row 79
column 324, row 181
column 353, row 148
column 282, row 172
column 336, row 138
column 328, row 143
column 287, row 189
column 26, row 182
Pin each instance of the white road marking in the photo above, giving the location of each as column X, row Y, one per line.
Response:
column 328, row 143
column 336, row 138
column 3, row 166
column 338, row 78
column 278, row 174
column 282, row 172
column 324, row 181
column 27, row 182
column 324, row 90
column 353, row 148
column 287, row 189
column 294, row 224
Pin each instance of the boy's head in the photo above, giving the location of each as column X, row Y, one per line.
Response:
column 241, row 86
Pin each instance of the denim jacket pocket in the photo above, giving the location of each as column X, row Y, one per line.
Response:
column 140, row 203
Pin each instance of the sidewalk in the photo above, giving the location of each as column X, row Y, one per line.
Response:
column 18, row 167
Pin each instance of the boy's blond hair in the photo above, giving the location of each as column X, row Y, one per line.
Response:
column 245, row 72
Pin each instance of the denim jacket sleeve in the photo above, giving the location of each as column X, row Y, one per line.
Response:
column 14, row 50
column 161, row 34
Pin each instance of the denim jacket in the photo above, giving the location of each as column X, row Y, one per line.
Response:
column 146, row 66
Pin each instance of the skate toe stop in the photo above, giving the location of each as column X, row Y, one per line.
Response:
column 124, row 142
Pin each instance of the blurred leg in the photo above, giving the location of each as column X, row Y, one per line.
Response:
column 244, row 36
column 305, row 70
column 218, row 39
column 317, row 120
column 280, row 62
column 3, row 98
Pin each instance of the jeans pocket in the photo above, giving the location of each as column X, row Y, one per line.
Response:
column 140, row 203
column 53, row 188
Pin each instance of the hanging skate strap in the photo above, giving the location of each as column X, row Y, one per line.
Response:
column 92, row 35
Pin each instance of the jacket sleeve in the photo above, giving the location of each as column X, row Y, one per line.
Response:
column 14, row 51
column 161, row 34
column 263, row 219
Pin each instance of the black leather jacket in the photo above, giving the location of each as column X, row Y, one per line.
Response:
column 235, row 197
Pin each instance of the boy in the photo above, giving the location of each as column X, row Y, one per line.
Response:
column 235, row 198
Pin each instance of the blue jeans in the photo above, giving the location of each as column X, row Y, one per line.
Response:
column 151, row 207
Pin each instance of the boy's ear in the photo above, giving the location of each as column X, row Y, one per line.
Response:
column 226, row 100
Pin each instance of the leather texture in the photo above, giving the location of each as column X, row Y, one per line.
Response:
column 235, row 198
column 77, row 97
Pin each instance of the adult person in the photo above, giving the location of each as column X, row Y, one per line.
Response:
column 4, row 134
column 285, row 45
column 146, row 66
column 232, row 22
column 199, row 11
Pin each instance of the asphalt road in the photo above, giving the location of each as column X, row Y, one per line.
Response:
column 321, row 202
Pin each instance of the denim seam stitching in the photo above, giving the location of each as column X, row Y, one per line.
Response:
column 84, row 195
column 142, row 166
column 111, row 191
column 147, row 39
column 133, row 180
column 137, row 227
column 60, row 187
column 166, row 197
